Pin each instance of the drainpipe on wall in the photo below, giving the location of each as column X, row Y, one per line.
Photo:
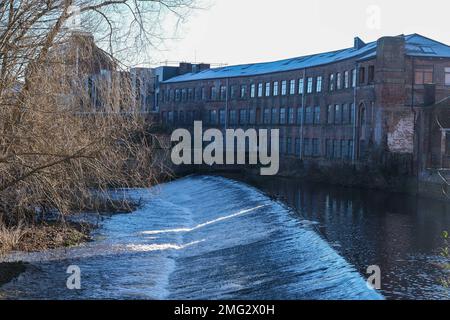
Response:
column 303, row 114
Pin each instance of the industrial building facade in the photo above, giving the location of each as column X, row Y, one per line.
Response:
column 353, row 105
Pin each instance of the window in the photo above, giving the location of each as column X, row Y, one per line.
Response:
column 291, row 115
column 299, row 115
column 424, row 75
column 337, row 149
column 203, row 94
column 267, row 89
column 282, row 115
column 310, row 85
column 251, row 116
column 352, row 113
column 330, row 113
column 371, row 74
column 447, row 76
column 337, row 114
column 233, row 91
column 243, row 91
column 307, row 150
column 292, row 87
column 297, row 147
column 198, row 94
column 346, row 80
column 319, row 84
column 362, row 75
column 184, row 94
column 309, row 116
column 329, row 148
column 345, row 114
column 275, row 88
column 243, row 117
column 274, row 116
column 289, row 145
column 331, row 82
column 213, row 116
column 177, row 95
column 301, row 86
column 252, row 91
column 266, row 116
column 283, row 87
column 260, row 90
column 213, row 93
column 190, row 94
column 315, row 147
column 223, row 93
column 317, row 115
column 339, row 81
column 170, row 117
column 353, row 78
column 222, row 117
column 233, row 117
column 344, row 149
column 282, row 145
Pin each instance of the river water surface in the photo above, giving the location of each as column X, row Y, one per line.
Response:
column 205, row 237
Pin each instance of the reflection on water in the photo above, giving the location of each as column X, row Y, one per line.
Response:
column 399, row 233
column 198, row 238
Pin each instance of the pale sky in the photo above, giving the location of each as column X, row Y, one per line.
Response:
column 246, row 31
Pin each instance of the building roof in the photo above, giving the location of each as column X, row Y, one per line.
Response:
column 416, row 45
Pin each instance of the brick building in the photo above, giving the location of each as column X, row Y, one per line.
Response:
column 357, row 105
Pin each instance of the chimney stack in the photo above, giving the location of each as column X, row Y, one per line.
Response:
column 358, row 43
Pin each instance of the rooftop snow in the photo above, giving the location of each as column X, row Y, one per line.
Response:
column 416, row 45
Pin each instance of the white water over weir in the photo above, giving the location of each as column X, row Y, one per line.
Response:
column 197, row 238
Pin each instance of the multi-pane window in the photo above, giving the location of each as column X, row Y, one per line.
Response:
column 353, row 78
column 310, row 85
column 339, row 81
column 282, row 115
column 190, row 94
column 344, row 149
column 223, row 93
column 297, row 147
column 275, row 88
column 292, row 87
column 330, row 112
column 345, row 114
column 315, row 147
column 222, row 117
column 319, row 84
column 282, row 145
column 362, row 75
column 336, row 149
column 301, row 86
column 252, row 91
column 289, row 145
column 424, row 75
column 243, row 120
column 213, row 116
column 251, row 116
column 283, row 87
column 177, row 95
column 233, row 92
column 346, row 80
column 309, row 116
column 260, row 90
column 233, row 117
column 299, row 115
column 184, row 94
column 307, row 148
column 352, row 113
column 203, row 94
column 291, row 115
column 371, row 74
column 243, row 91
column 350, row 149
column 329, row 148
column 213, row 93
column 337, row 114
column 274, row 116
column 332, row 82
column 317, row 115
column 447, row 76
column 267, row 89
column 266, row 116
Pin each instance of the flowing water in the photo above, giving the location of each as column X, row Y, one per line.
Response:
column 204, row 237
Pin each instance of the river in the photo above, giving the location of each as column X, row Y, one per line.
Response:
column 207, row 237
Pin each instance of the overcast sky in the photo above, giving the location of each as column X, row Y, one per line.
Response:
column 245, row 31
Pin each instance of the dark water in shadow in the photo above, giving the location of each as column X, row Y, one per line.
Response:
column 198, row 238
column 399, row 233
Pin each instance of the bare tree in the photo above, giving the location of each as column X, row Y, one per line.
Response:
column 67, row 125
